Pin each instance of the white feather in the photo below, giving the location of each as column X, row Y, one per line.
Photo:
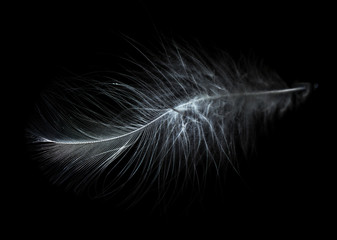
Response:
column 181, row 111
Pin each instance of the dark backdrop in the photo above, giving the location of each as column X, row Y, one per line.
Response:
column 290, row 181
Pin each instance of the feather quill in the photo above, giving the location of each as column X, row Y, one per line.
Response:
column 182, row 111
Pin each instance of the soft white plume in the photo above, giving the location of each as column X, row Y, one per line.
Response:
column 182, row 111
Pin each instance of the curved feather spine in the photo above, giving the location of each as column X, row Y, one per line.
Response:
column 289, row 90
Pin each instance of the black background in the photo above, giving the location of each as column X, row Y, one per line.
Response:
column 289, row 182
